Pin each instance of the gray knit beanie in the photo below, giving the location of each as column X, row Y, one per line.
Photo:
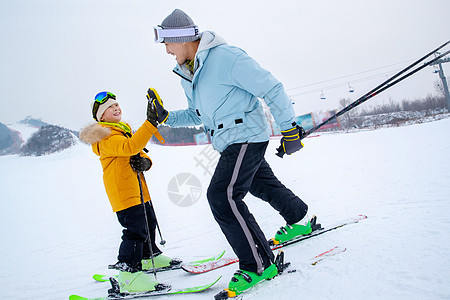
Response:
column 178, row 19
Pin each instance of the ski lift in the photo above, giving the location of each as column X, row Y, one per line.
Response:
column 322, row 96
column 350, row 88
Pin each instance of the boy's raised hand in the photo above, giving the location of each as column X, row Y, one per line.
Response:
column 161, row 113
column 151, row 114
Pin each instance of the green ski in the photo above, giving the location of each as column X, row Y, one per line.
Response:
column 165, row 290
column 104, row 278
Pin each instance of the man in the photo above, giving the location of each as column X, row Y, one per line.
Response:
column 222, row 85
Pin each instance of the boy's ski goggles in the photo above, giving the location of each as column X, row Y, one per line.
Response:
column 161, row 33
column 102, row 97
column 99, row 99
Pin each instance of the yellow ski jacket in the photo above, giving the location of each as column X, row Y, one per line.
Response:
column 115, row 149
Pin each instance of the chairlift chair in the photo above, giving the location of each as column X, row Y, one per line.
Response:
column 322, row 96
column 350, row 88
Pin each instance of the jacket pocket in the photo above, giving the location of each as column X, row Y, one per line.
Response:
column 236, row 120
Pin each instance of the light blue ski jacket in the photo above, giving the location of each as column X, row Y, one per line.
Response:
column 223, row 93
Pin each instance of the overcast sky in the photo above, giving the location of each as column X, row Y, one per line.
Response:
column 55, row 55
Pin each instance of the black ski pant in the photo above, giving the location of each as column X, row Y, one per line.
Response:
column 241, row 169
column 134, row 246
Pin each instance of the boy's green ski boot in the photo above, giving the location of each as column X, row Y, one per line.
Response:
column 136, row 282
column 288, row 232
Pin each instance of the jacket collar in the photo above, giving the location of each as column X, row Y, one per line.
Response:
column 121, row 125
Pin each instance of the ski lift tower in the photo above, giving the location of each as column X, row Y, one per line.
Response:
column 444, row 80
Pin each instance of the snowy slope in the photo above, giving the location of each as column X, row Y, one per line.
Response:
column 25, row 130
column 58, row 228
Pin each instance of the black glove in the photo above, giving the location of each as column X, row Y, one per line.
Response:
column 140, row 164
column 151, row 114
column 291, row 140
column 161, row 113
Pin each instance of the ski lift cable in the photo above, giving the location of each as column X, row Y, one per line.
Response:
column 341, row 77
column 340, row 84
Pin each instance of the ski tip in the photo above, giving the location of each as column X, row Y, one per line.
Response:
column 76, row 297
column 100, row 277
column 215, row 281
column 221, row 254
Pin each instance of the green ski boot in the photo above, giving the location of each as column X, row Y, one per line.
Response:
column 243, row 280
column 136, row 282
column 288, row 232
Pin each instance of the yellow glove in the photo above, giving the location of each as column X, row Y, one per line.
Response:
column 161, row 113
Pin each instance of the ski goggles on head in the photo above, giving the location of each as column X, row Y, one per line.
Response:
column 102, row 97
column 99, row 99
column 161, row 33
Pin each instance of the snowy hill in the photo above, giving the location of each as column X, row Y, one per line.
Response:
column 33, row 137
column 26, row 130
column 58, row 227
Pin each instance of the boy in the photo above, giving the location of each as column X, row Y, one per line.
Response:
column 122, row 160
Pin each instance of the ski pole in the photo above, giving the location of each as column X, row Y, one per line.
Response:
column 146, row 222
column 377, row 90
column 163, row 241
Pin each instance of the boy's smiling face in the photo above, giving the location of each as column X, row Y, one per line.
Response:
column 112, row 114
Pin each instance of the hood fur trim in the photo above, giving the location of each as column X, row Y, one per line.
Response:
column 94, row 133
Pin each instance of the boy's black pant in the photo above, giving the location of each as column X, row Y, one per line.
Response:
column 241, row 169
column 134, row 246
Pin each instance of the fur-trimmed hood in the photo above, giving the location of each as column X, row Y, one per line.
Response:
column 94, row 133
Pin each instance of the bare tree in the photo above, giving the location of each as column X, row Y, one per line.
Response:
column 348, row 118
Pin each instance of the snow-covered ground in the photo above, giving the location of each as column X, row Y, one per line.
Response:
column 58, row 228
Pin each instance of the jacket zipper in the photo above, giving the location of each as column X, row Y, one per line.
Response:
column 182, row 76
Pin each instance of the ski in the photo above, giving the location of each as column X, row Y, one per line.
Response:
column 219, row 261
column 317, row 230
column 225, row 261
column 282, row 266
column 322, row 256
column 209, row 266
column 179, row 265
column 162, row 290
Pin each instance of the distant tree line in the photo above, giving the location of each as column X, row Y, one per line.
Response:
column 429, row 103
column 356, row 118
column 178, row 135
